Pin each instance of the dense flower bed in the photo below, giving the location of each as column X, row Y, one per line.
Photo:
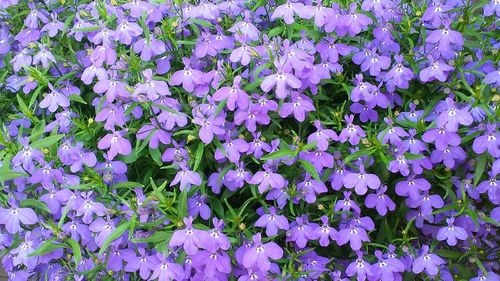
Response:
column 250, row 140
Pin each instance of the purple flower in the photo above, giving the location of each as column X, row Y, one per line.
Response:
column 445, row 37
column 166, row 270
column 301, row 231
column 235, row 179
column 353, row 234
column 214, row 239
column 259, row 254
column 299, row 106
column 325, row 232
column 27, row 155
column 197, row 205
column 54, row 100
column 451, row 233
column 116, row 143
column 186, row 178
column 360, row 268
column 266, row 179
column 88, row 207
column 351, row 132
column 428, row 262
column 188, row 77
column 286, row 11
column 452, row 117
column 380, row 201
column 388, row 268
column 281, row 79
column 272, row 222
column 12, row 217
column 126, row 31
column 490, row 141
column 189, row 237
column 234, row 95
column 412, row 186
column 44, row 56
column 209, row 126
column 436, row 70
column 144, row 264
column 360, row 181
column 321, row 136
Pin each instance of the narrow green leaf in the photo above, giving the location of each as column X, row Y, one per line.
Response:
column 6, row 175
column 46, row 142
column 77, row 252
column 480, row 166
column 198, row 156
column 182, row 205
column 310, row 169
column 47, row 247
column 278, row 154
column 77, row 98
column 114, row 235
column 128, row 184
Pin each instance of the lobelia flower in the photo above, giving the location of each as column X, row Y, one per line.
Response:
column 54, row 100
column 346, row 204
column 126, row 31
column 426, row 202
column 355, row 22
column 452, row 117
column 294, row 58
column 259, row 254
column 353, row 234
column 186, row 178
column 491, row 186
column 301, row 231
column 282, row 80
column 448, row 156
column 12, row 217
column 436, row 70
column 246, row 28
column 412, row 186
column 412, row 144
column 257, row 146
column 35, row 16
column 214, row 265
column 351, row 132
column 451, row 233
column 144, row 264
column 428, row 262
column 325, row 232
column 189, row 237
column 444, row 38
column 267, row 179
column 272, row 222
column 24, row 250
column 441, row 137
column 197, row 205
column 88, row 207
column 363, row 90
column 299, row 106
column 166, row 270
column 490, row 275
column 77, row 231
column 152, row 88
column 366, row 112
column 388, row 268
column 286, row 11
column 380, row 201
column 93, row 71
column 360, row 268
column 115, row 143
column 112, row 88
column 310, row 187
column 490, row 141
column 321, row 136
column 329, row 50
column 188, row 77
column 25, row 157
column 104, row 228
column 149, row 48
column 214, row 239
column 46, row 175
column 44, row 56
column 209, row 126
column 391, row 134
column 235, row 179
column 360, row 181
column 233, row 95
column 154, row 135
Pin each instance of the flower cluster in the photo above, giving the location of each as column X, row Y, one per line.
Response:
column 250, row 140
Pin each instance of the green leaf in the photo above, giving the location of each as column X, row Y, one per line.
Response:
column 33, row 203
column 357, row 154
column 86, row 29
column 77, row 98
column 182, row 205
column 198, row 156
column 47, row 247
column 37, row 131
column 480, row 166
column 128, row 184
column 6, row 175
column 310, row 169
column 158, row 236
column 156, row 155
column 46, row 142
column 77, row 252
column 278, row 154
column 114, row 235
